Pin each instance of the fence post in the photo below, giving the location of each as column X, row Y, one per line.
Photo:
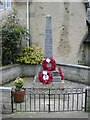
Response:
column 85, row 100
column 49, row 102
column 12, row 100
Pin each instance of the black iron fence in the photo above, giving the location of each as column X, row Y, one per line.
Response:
column 51, row 100
column 87, row 99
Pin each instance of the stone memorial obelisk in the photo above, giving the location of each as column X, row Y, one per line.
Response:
column 48, row 48
column 48, row 52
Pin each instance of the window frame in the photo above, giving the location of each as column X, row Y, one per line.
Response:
column 6, row 5
column 1, row 5
column 7, row 2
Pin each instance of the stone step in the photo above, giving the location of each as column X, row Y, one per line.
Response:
column 55, row 79
column 56, row 76
column 56, row 73
column 51, row 85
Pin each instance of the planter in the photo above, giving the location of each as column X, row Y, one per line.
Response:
column 19, row 96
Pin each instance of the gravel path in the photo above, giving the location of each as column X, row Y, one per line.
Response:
column 29, row 83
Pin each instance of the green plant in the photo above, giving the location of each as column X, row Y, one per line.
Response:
column 18, row 83
column 12, row 34
column 31, row 55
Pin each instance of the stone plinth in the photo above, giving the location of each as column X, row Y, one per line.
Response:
column 5, row 100
column 56, row 82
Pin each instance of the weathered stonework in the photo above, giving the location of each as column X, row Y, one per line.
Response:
column 30, row 70
column 76, row 73
column 72, row 72
column 10, row 72
column 64, row 45
column 5, row 100
column 68, row 26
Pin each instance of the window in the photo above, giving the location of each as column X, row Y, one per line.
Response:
column 1, row 5
column 5, row 4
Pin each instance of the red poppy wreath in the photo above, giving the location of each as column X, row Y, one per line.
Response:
column 45, row 77
column 45, row 64
column 61, row 73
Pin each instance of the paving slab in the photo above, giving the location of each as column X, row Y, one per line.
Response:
column 47, row 115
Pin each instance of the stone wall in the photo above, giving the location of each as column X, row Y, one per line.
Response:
column 75, row 73
column 30, row 70
column 21, row 8
column 10, row 72
column 22, row 11
column 68, row 28
column 5, row 100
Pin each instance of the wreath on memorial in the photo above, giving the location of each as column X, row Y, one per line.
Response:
column 45, row 63
column 45, row 77
column 61, row 73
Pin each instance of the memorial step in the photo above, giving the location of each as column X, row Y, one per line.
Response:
column 55, row 73
column 55, row 79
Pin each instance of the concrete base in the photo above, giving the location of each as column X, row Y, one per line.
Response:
column 51, row 85
column 56, row 82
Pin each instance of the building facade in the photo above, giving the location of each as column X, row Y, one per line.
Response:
column 68, row 27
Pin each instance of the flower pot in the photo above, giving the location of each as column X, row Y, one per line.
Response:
column 19, row 96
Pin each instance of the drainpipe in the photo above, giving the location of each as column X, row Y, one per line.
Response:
column 29, row 24
column 27, row 21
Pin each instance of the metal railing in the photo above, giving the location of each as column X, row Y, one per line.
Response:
column 52, row 100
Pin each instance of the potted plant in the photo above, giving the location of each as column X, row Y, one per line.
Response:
column 19, row 92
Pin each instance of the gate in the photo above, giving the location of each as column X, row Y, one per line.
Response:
column 52, row 100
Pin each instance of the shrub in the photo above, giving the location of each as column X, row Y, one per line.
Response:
column 12, row 34
column 31, row 55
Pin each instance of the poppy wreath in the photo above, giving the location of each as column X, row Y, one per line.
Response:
column 45, row 61
column 45, row 77
column 61, row 73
